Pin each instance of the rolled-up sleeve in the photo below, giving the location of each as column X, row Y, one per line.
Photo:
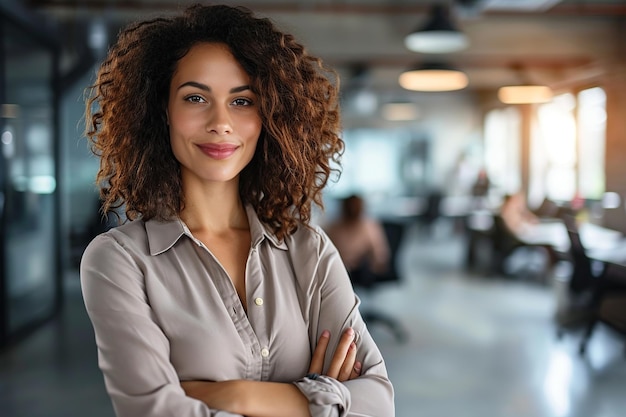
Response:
column 334, row 306
column 133, row 351
column 327, row 396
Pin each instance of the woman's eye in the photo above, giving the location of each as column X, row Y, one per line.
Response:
column 242, row 102
column 194, row 99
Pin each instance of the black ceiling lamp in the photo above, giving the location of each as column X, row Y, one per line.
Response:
column 438, row 35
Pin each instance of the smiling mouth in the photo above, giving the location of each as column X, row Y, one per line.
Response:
column 218, row 151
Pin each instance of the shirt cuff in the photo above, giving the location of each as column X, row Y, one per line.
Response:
column 327, row 397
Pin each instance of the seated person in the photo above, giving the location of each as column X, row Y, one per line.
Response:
column 360, row 240
column 516, row 214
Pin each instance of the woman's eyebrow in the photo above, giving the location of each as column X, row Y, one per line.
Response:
column 208, row 89
column 196, row 85
column 240, row 89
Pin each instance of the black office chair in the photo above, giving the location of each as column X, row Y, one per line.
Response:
column 578, row 290
column 432, row 211
column 505, row 243
column 608, row 303
column 584, row 287
column 479, row 232
column 366, row 280
column 583, row 277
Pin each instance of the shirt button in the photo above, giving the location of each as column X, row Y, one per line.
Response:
column 258, row 301
column 265, row 352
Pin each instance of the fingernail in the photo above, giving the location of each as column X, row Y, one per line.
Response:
column 350, row 331
column 325, row 333
column 357, row 366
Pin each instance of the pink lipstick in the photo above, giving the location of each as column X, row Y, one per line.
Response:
column 218, row 150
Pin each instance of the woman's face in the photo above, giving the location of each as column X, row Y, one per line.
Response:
column 213, row 115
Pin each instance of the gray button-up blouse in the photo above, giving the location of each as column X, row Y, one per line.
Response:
column 164, row 311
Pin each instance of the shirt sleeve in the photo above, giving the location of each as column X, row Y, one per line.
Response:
column 133, row 352
column 334, row 306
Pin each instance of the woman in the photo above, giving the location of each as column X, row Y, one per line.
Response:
column 361, row 241
column 216, row 133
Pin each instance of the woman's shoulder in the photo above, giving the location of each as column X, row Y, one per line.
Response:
column 132, row 230
column 308, row 237
column 130, row 234
column 312, row 255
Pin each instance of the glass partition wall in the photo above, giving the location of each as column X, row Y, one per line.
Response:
column 30, row 282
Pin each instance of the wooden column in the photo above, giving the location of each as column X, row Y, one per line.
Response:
column 526, row 113
column 615, row 157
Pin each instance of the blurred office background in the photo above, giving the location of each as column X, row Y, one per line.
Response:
column 423, row 152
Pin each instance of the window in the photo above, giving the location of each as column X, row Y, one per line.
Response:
column 502, row 149
column 553, row 150
column 592, row 137
column 567, row 147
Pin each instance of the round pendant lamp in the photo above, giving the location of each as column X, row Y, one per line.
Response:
column 438, row 35
column 433, row 77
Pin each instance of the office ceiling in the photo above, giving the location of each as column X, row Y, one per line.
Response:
column 511, row 41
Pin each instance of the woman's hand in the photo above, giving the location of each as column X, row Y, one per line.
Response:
column 343, row 366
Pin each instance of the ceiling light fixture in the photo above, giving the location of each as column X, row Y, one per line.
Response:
column 525, row 94
column 433, row 77
column 438, row 36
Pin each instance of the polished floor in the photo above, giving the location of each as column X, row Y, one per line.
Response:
column 477, row 346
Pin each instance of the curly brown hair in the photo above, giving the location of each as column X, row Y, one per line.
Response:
column 127, row 125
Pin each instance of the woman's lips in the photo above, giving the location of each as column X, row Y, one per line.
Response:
column 218, row 150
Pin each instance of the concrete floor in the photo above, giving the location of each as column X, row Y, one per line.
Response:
column 477, row 346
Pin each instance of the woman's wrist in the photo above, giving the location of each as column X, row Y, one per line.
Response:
column 250, row 398
column 225, row 395
column 272, row 399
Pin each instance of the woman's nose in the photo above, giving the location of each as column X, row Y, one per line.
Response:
column 219, row 121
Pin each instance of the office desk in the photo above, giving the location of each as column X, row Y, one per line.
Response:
column 551, row 233
column 594, row 238
column 614, row 252
column 547, row 232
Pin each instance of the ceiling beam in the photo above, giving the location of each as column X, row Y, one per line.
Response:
column 473, row 61
column 562, row 9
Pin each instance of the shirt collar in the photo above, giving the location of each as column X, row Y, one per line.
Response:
column 260, row 231
column 162, row 235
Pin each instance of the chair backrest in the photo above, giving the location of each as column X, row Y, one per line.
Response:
column 433, row 206
column 504, row 240
column 394, row 231
column 364, row 277
column 582, row 275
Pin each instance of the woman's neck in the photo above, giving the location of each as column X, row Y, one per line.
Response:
column 215, row 208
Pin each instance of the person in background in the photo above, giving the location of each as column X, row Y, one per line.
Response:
column 480, row 188
column 360, row 240
column 516, row 214
column 218, row 297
